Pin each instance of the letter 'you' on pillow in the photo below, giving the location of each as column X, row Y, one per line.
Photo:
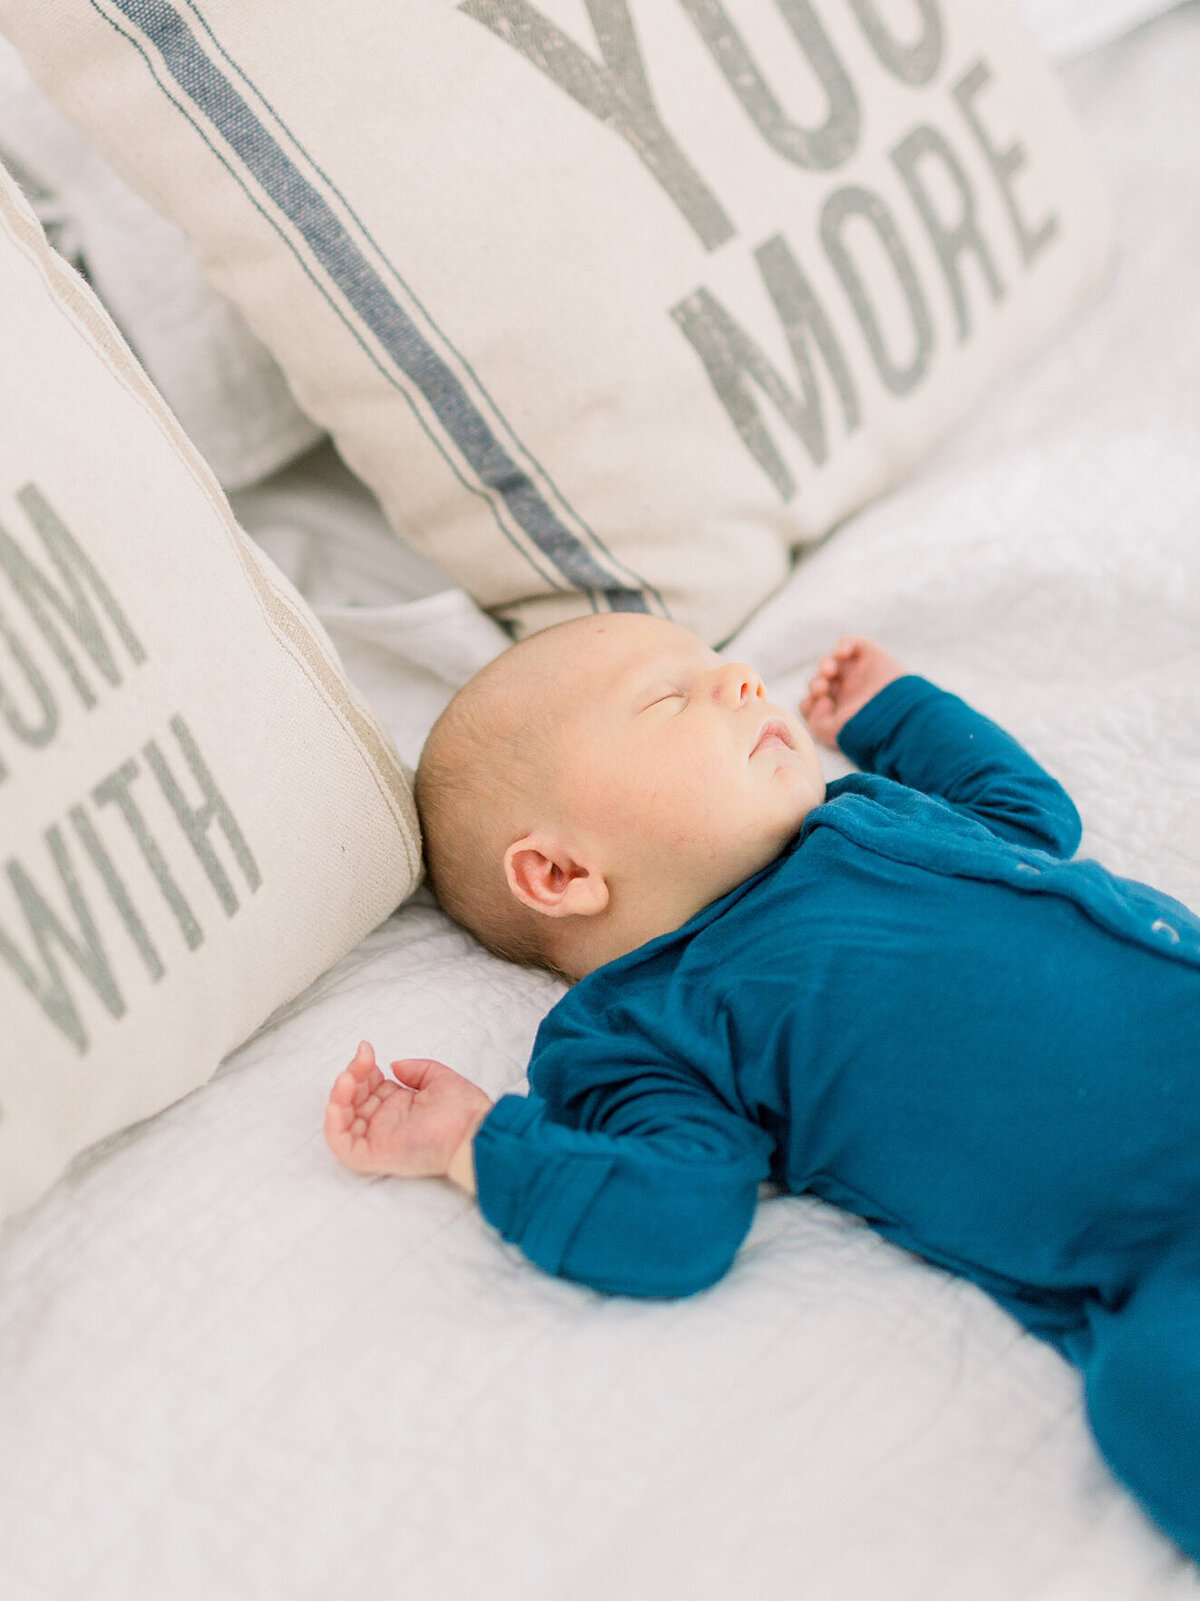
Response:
column 613, row 303
column 197, row 817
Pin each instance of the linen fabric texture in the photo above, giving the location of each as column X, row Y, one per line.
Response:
column 613, row 305
column 197, row 815
column 220, row 382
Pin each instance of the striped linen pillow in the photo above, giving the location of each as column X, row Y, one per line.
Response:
column 613, row 303
column 197, row 817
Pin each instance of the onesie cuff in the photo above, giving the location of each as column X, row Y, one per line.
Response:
column 534, row 1180
column 866, row 731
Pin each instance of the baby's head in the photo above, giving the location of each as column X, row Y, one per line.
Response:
column 602, row 781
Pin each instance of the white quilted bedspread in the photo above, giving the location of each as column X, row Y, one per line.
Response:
column 229, row 1369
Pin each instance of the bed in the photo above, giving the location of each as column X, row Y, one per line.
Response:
column 229, row 1368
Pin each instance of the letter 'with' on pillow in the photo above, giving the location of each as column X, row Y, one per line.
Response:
column 197, row 815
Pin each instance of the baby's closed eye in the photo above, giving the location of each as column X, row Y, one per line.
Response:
column 660, row 697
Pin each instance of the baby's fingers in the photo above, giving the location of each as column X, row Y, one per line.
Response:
column 346, row 1087
column 840, row 657
column 364, row 1059
column 356, row 1083
column 363, row 1067
column 418, row 1072
column 339, row 1119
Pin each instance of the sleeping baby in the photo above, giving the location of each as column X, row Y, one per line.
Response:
column 895, row 992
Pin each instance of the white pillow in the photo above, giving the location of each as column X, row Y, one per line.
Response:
column 221, row 383
column 612, row 304
column 197, row 816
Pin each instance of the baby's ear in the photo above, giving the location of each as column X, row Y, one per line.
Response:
column 553, row 880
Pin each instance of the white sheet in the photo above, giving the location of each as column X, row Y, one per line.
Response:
column 229, row 1369
column 1066, row 28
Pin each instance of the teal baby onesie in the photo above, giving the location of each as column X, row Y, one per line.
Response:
column 923, row 1012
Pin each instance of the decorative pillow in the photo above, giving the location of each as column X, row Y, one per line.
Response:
column 612, row 303
column 221, row 383
column 196, row 815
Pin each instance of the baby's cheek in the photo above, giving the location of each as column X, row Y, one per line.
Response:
column 682, row 806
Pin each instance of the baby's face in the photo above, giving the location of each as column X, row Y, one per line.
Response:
column 674, row 759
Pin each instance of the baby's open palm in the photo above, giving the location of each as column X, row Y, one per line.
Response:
column 409, row 1128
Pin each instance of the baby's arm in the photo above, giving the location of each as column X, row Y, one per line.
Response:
column 653, row 1201
column 904, row 728
column 421, row 1126
column 629, row 1173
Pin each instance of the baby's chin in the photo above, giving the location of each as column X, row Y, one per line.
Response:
column 799, row 774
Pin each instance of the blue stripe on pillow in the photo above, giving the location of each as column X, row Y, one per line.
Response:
column 344, row 263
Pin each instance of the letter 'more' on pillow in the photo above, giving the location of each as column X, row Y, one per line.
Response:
column 197, row 817
column 612, row 302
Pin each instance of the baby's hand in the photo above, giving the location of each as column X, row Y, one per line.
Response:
column 843, row 684
column 418, row 1127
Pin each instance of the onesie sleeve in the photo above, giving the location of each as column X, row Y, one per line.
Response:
column 930, row 740
column 639, row 1181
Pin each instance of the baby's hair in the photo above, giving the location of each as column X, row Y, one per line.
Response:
column 484, row 761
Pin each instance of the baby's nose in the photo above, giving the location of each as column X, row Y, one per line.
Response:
column 737, row 684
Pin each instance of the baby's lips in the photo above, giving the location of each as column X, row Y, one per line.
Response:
column 773, row 729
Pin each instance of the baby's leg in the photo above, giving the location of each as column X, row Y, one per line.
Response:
column 1142, row 1380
